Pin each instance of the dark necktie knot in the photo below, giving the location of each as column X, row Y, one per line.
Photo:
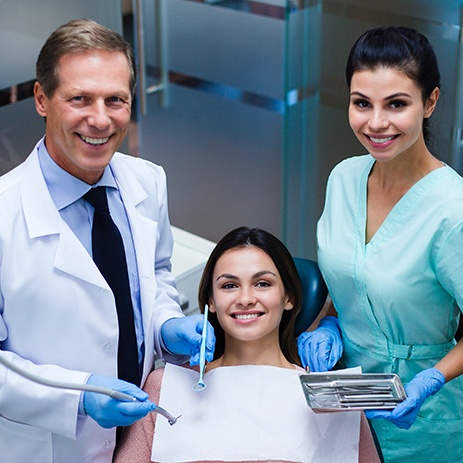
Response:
column 97, row 198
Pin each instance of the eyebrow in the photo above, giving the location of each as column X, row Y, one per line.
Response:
column 390, row 97
column 256, row 275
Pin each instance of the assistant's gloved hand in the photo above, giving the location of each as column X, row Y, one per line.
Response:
column 322, row 348
column 183, row 336
column 424, row 384
column 109, row 412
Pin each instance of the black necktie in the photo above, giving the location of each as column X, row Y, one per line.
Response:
column 109, row 256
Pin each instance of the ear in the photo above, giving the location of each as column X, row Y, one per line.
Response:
column 288, row 304
column 431, row 103
column 40, row 100
column 212, row 308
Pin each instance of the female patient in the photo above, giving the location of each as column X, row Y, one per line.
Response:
column 253, row 407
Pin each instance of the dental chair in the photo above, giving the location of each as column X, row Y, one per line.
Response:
column 314, row 293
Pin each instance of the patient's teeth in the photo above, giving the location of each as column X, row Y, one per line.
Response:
column 246, row 316
column 381, row 140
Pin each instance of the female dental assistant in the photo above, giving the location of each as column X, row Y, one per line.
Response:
column 390, row 249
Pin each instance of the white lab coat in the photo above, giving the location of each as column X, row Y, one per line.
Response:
column 58, row 316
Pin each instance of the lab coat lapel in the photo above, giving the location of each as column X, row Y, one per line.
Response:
column 43, row 220
column 143, row 229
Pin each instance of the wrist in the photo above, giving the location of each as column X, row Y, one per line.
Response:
column 331, row 322
column 434, row 377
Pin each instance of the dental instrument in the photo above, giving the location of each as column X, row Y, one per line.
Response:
column 118, row 395
column 200, row 385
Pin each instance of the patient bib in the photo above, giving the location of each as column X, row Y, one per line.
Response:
column 249, row 413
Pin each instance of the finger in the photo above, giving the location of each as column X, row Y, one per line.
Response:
column 194, row 340
column 408, row 406
column 194, row 359
column 321, row 357
column 303, row 350
column 137, row 408
column 377, row 414
column 210, row 340
column 209, row 356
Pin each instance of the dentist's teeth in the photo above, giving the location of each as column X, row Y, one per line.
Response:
column 381, row 140
column 246, row 316
column 94, row 141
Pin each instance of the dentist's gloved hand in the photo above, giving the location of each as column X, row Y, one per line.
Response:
column 182, row 336
column 322, row 348
column 424, row 384
column 109, row 412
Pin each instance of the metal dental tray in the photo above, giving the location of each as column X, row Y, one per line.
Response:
column 352, row 391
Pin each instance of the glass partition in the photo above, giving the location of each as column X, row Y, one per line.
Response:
column 229, row 125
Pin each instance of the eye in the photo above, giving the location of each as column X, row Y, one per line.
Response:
column 361, row 103
column 263, row 284
column 78, row 99
column 397, row 104
column 116, row 101
column 228, row 286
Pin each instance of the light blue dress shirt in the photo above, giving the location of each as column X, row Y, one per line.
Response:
column 66, row 192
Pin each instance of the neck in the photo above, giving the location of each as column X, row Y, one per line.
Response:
column 406, row 169
column 258, row 352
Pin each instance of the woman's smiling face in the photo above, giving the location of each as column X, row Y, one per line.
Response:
column 248, row 294
column 386, row 112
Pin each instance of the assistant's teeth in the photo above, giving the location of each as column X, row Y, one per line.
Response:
column 246, row 316
column 381, row 140
column 94, row 141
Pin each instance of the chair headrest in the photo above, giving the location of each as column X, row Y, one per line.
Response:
column 314, row 293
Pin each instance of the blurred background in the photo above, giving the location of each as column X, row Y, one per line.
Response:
column 244, row 103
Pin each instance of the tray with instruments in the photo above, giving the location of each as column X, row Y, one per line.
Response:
column 331, row 392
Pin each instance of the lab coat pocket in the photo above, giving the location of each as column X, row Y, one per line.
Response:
column 23, row 443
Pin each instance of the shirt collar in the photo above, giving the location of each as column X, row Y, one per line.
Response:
column 64, row 188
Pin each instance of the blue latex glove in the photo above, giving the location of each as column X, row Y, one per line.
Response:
column 182, row 336
column 109, row 412
column 322, row 348
column 424, row 384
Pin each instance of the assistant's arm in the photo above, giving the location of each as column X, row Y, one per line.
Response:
column 449, row 270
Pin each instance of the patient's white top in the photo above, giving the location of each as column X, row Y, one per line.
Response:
column 249, row 413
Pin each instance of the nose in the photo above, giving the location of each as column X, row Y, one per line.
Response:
column 246, row 298
column 99, row 116
column 378, row 121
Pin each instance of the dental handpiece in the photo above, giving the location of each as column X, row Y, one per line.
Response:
column 118, row 395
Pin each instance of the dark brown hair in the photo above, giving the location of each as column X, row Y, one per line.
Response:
column 254, row 237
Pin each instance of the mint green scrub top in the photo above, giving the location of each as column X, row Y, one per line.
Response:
column 398, row 296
